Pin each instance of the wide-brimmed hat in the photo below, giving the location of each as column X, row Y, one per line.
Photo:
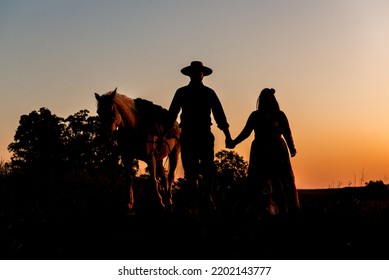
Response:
column 196, row 66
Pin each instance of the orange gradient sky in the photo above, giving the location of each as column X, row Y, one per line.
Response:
column 327, row 60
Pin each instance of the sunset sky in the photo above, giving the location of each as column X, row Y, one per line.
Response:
column 328, row 61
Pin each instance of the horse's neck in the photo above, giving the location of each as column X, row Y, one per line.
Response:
column 128, row 116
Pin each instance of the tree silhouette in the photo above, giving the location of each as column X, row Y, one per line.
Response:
column 38, row 142
column 44, row 142
column 60, row 165
column 85, row 147
column 231, row 174
column 231, row 168
column 376, row 187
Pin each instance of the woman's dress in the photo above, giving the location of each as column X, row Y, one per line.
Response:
column 270, row 171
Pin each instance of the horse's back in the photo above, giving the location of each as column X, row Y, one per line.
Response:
column 155, row 118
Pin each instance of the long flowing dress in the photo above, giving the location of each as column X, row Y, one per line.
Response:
column 270, row 170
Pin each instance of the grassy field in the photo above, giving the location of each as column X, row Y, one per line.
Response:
column 77, row 223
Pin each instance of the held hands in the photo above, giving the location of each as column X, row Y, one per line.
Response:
column 230, row 144
column 228, row 138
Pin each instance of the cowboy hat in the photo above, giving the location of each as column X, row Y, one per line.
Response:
column 196, row 66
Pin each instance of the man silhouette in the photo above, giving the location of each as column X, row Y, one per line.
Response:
column 196, row 103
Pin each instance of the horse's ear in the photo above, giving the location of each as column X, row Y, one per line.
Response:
column 114, row 91
column 97, row 96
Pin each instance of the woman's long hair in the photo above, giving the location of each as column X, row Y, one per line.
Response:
column 267, row 102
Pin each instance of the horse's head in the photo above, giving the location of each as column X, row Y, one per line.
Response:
column 107, row 111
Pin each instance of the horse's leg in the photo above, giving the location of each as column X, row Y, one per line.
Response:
column 128, row 164
column 131, row 193
column 161, row 171
column 153, row 177
column 173, row 162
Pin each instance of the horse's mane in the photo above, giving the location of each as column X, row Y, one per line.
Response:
column 126, row 106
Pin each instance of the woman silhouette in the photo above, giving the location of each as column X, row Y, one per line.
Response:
column 270, row 172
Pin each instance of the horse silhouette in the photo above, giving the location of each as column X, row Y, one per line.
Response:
column 138, row 124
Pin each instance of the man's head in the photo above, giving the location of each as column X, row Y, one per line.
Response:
column 196, row 71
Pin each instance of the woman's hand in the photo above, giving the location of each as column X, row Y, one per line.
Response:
column 292, row 152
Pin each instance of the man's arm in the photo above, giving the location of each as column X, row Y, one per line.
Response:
column 174, row 109
column 221, row 119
